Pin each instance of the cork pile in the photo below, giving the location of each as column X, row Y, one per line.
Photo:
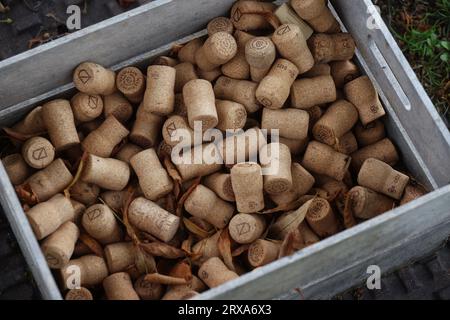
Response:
column 118, row 218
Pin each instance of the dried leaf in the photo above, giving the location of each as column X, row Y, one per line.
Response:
column 163, row 279
column 26, row 194
column 173, row 173
column 160, row 249
column 182, row 269
column 12, row 134
column 175, row 49
column 289, row 206
column 224, row 246
column 291, row 243
column 183, row 198
column 240, row 250
column 145, row 263
column 271, row 18
column 349, row 218
column 171, row 203
column 77, row 175
column 186, row 246
column 196, row 230
column 92, row 244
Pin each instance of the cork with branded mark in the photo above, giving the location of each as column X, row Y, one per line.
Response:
column 262, row 252
column 92, row 78
column 260, row 53
column 231, row 115
column 107, row 173
column 276, row 158
column 86, row 107
column 78, row 294
column 131, row 82
column 159, row 95
column 322, row 219
column 217, row 50
column 369, row 134
column 99, row 221
column 16, row 168
column 249, row 197
column 214, row 272
column 221, row 184
column 240, row 91
column 148, row 290
column 367, row 204
column 38, row 152
column 245, row 228
column 309, row 92
column 220, row 24
column 58, row 247
column 343, row 72
column 248, row 15
column 331, row 47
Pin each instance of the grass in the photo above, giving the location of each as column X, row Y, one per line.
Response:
column 422, row 29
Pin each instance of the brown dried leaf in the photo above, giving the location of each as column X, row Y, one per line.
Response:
column 267, row 14
column 196, row 230
column 26, row 194
column 173, row 173
column 160, row 249
column 186, row 246
column 92, row 244
column 77, row 175
column 163, row 279
column 224, row 246
column 183, row 198
column 291, row 243
column 289, row 206
column 240, row 250
column 175, row 49
column 171, row 203
column 145, row 263
column 182, row 269
column 349, row 218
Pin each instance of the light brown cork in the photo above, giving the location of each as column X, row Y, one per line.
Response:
column 148, row 290
column 217, row 50
column 127, row 152
column 207, row 248
column 86, row 193
column 370, row 134
column 245, row 17
column 211, row 75
column 33, row 123
column 331, row 47
column 92, row 78
column 383, row 150
column 309, row 92
column 221, row 184
column 131, row 82
column 176, row 131
column 220, row 24
column 260, row 53
column 146, row 128
column 343, row 72
column 240, row 91
column 295, row 146
column 249, row 197
column 346, row 144
column 86, row 107
column 204, row 166
column 99, row 221
column 291, row 123
column 160, row 92
column 214, row 273
column 16, row 168
column 118, row 286
column 246, row 228
column 185, row 72
column 198, row 95
column 309, row 237
column 79, row 294
column 165, row 61
column 120, row 256
column 107, row 173
column 187, row 52
column 92, row 269
column 238, row 67
column 118, row 106
column 262, row 252
column 79, row 209
column 322, row 219
column 321, row 69
column 367, row 204
column 38, row 152
column 231, row 115
column 317, row 14
column 276, row 159
column 412, row 192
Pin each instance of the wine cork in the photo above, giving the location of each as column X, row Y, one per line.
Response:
column 383, row 150
column 249, row 197
column 214, row 272
column 176, row 131
column 331, row 47
column 302, row 182
column 220, row 183
column 195, row 285
column 59, row 246
column 367, row 204
column 291, row 123
column 46, row 217
column 198, row 95
column 165, row 61
column 180, row 107
column 146, row 128
column 309, row 237
column 60, row 123
column 246, row 228
column 260, row 54
column 107, row 173
column 114, row 199
column 79, row 294
column 370, row 134
column 149, row 217
column 343, row 72
column 38, row 152
column 99, row 221
column 118, row 106
column 208, row 164
column 412, row 192
column 382, row 178
column 185, row 72
column 16, row 168
column 86, row 107
column 78, row 209
column 321, row 218
column 317, row 14
column 210, row 75
column 160, row 92
column 87, row 127
column 315, row 113
column 118, row 286
column 179, row 295
column 217, row 50
column 276, row 159
column 322, row 159
column 207, row 248
column 148, row 290
column 231, row 115
column 321, row 69
column 92, row 271
column 247, row 15
column 295, row 146
column 86, row 193
column 240, row 91
column 131, row 82
column 347, row 144
column 102, row 141
column 50, row 180
column 127, row 152
column 310, row 92
column 238, row 67
column 120, row 256
column 187, row 52
column 364, row 96
column 220, row 24
column 33, row 123
column 153, row 178
column 339, row 119
column 274, row 89
column 262, row 252
column 92, row 78
column 205, row 204
column 291, row 44
column 289, row 221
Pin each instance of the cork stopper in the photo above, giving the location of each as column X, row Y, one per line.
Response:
column 92, row 271
column 220, row 183
column 49, row 181
column 217, row 50
column 262, row 252
column 295, row 146
column 200, row 167
column 309, row 237
column 274, row 89
column 153, row 178
column 370, row 134
column 310, row 92
column 160, row 93
column 119, row 256
column 382, row 178
column 107, row 173
column 249, row 197
column 86, row 193
column 207, row 248
column 214, row 273
column 146, row 128
column 231, row 115
column 364, row 96
column 86, row 107
column 165, row 61
column 102, row 141
column 276, row 159
column 383, row 150
column 339, row 119
column 289, row 221
column 291, row 44
column 291, row 123
column 185, row 72
column 99, row 221
column 210, row 75
column 220, row 24
column 343, row 72
column 118, row 106
column 114, row 199
column 260, row 54
column 198, row 95
column 118, row 286
column 253, row 20
column 179, row 295
column 322, row 159
column 16, row 168
column 176, row 131
column 131, row 82
column 317, row 14
column 205, row 204
column 246, row 228
column 149, row 217
column 33, row 123
column 79, row 294
column 321, row 218
column 78, row 209
column 60, row 123
column 38, row 152
column 59, row 246
column 346, row 144
column 127, row 152
column 367, row 204
column 331, row 47
column 240, row 91
column 238, row 67
column 46, row 217
column 412, row 192
column 321, row 69
column 187, row 52
column 92, row 78
column 148, row 290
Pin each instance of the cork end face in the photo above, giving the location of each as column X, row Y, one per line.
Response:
column 256, row 254
column 79, row 294
column 55, row 257
column 277, row 186
column 324, row 134
column 318, row 210
column 358, row 200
